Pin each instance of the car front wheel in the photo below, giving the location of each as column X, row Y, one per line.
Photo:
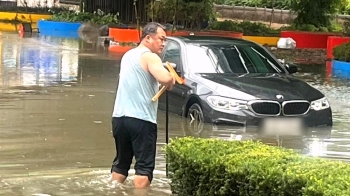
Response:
column 195, row 118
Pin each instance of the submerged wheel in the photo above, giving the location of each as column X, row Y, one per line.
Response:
column 195, row 118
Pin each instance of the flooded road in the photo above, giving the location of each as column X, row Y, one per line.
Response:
column 56, row 100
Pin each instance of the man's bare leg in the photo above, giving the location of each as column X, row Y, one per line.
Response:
column 141, row 182
column 141, row 192
column 118, row 177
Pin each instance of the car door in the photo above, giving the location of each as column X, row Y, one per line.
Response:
column 177, row 96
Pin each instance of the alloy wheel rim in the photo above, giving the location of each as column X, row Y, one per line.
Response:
column 195, row 121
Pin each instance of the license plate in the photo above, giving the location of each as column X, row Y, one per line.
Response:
column 282, row 126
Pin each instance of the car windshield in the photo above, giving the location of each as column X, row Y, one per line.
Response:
column 230, row 59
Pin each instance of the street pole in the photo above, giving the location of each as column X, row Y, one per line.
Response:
column 166, row 126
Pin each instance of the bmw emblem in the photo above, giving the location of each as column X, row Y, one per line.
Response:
column 279, row 96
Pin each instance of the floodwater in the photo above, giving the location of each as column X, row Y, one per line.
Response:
column 56, row 100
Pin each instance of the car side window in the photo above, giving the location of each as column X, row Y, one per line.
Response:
column 172, row 54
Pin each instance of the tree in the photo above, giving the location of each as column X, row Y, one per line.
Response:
column 318, row 13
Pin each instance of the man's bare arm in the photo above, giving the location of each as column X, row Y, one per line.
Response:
column 156, row 68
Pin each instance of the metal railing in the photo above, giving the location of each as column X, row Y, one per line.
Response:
column 5, row 4
column 70, row 2
column 260, row 14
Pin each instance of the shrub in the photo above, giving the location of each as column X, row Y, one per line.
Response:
column 96, row 18
column 342, row 52
column 316, row 13
column 246, row 27
column 260, row 29
column 277, row 4
column 188, row 13
column 334, row 28
column 248, row 168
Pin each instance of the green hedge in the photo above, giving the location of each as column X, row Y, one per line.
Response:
column 246, row 27
column 278, row 4
column 249, row 28
column 98, row 17
column 343, row 8
column 218, row 167
column 342, row 52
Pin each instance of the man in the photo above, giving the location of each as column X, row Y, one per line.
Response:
column 134, row 120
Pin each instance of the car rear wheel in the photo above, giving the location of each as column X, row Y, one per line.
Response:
column 195, row 118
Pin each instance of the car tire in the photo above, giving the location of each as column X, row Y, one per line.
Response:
column 195, row 119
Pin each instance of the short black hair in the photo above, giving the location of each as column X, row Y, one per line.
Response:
column 151, row 29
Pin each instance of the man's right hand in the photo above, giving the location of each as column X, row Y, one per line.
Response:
column 170, row 86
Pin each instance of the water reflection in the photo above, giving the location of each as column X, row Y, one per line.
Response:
column 56, row 137
column 301, row 143
column 41, row 62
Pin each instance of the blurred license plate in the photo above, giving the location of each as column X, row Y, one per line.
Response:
column 282, row 126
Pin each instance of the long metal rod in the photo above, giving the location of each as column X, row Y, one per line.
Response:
column 166, row 126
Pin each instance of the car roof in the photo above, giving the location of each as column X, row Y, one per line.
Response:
column 214, row 40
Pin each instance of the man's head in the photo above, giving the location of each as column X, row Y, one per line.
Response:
column 154, row 37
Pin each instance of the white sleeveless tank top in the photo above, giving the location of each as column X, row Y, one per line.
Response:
column 135, row 89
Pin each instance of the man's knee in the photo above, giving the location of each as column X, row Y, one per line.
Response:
column 141, row 181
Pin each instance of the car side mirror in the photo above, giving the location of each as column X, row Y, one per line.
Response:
column 291, row 68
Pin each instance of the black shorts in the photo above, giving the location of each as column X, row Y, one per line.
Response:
column 134, row 137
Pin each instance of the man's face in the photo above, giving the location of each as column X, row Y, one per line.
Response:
column 158, row 41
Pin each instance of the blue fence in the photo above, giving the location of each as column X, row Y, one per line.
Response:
column 45, row 25
column 341, row 69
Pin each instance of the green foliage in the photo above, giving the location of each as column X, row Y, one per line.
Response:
column 342, row 52
column 259, row 29
column 333, row 27
column 315, row 12
column 247, row 168
column 246, row 27
column 345, row 7
column 189, row 13
column 95, row 18
column 278, row 4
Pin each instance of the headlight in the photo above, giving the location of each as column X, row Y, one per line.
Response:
column 320, row 104
column 227, row 103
